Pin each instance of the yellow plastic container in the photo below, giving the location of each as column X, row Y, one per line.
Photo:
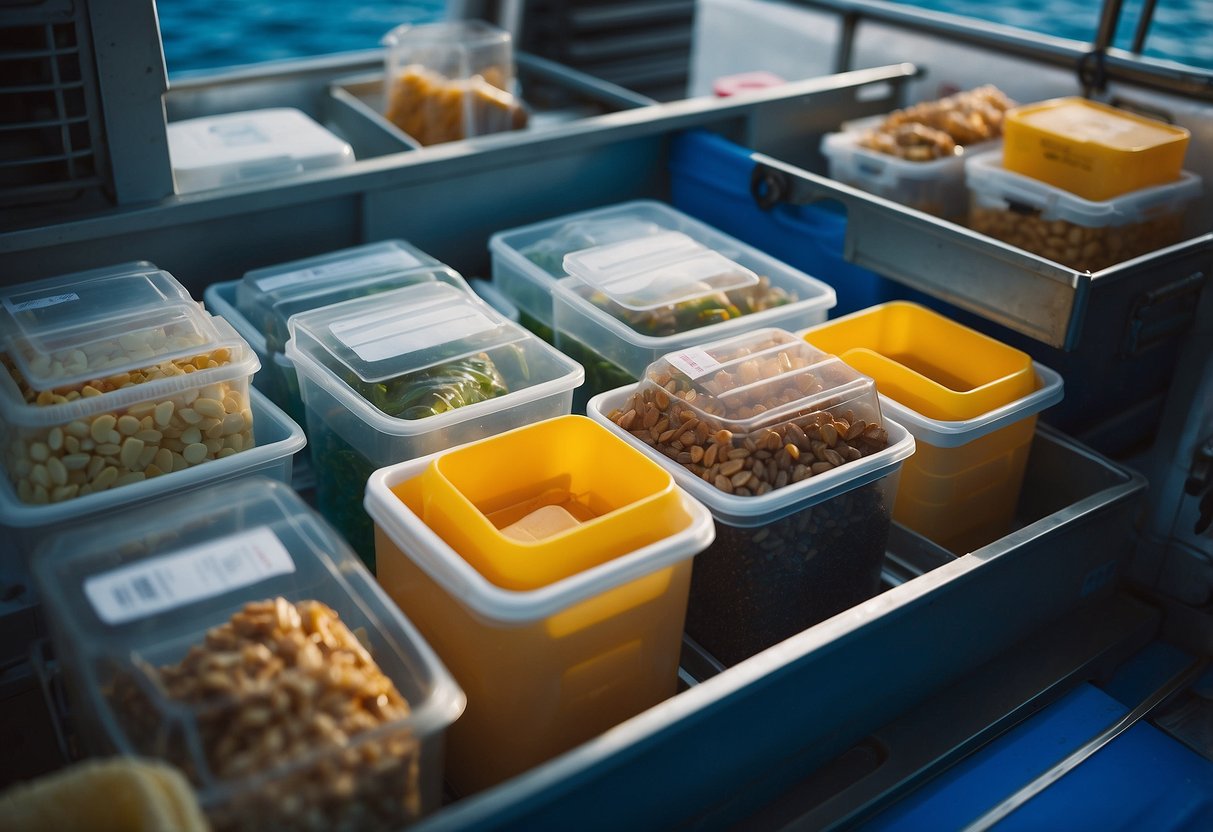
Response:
column 612, row 498
column 969, row 400
column 545, row 669
column 1090, row 149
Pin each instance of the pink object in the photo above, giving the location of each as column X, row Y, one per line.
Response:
column 727, row 85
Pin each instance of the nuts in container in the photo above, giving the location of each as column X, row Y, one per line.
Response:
column 761, row 413
column 235, row 635
column 936, row 129
column 280, row 682
column 1068, row 229
column 787, row 447
column 109, row 380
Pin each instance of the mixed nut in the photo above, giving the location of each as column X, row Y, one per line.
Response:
column 277, row 685
column 937, row 129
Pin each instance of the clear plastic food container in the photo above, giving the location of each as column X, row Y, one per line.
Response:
column 260, row 304
column 112, row 377
column 1068, row 229
column 409, row 372
column 235, row 635
column 788, row 449
column 1092, row 150
column 234, row 148
column 279, row 439
column 527, row 261
column 935, row 187
column 970, row 402
column 451, row 80
column 597, row 645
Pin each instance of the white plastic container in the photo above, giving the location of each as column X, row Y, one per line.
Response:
column 1068, row 229
column 597, row 646
column 390, row 346
column 527, row 261
column 934, row 187
column 129, row 597
column 234, row 148
column 260, row 304
column 788, row 558
column 114, row 376
column 278, row 440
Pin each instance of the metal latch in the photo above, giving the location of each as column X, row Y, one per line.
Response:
column 1161, row 313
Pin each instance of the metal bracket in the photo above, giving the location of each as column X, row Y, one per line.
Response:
column 1161, row 314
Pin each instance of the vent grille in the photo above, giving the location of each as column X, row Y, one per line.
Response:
column 48, row 147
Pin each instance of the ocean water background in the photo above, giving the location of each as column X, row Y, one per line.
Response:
column 210, row 34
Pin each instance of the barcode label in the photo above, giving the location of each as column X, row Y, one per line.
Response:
column 354, row 267
column 39, row 303
column 694, row 363
column 203, row 571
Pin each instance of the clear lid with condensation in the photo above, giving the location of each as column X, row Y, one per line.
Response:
column 74, row 328
column 659, row 270
column 549, row 252
column 402, row 331
column 760, row 380
column 270, row 295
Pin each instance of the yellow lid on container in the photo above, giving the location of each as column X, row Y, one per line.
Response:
column 927, row 362
column 492, row 501
column 1090, row 149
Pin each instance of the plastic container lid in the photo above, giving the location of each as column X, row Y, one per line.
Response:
column 456, row 48
column 397, row 333
column 548, row 252
column 125, row 597
column 68, row 329
column 494, row 604
column 1091, row 149
column 787, row 378
column 403, row 331
column 658, row 270
column 213, row 151
column 269, row 296
column 993, row 186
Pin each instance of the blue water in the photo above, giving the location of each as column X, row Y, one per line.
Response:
column 209, row 34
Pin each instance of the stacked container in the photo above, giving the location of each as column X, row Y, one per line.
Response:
column 646, row 280
column 114, row 377
column 788, row 449
column 451, row 80
column 408, row 372
column 209, row 636
column 1083, row 184
column 555, row 594
column 969, row 401
column 260, row 304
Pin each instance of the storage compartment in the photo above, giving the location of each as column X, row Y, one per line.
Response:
column 970, row 403
column 405, row 373
column 546, row 668
column 209, row 636
column 788, row 449
column 1084, row 235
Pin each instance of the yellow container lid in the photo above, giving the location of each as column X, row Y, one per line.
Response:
column 926, row 361
column 546, row 501
column 1091, row 149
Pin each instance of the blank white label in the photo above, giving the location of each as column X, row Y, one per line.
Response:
column 367, row 263
column 203, row 571
column 40, row 303
column 379, row 336
column 693, row 363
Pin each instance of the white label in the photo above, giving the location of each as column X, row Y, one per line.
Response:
column 40, row 303
column 378, row 335
column 365, row 264
column 693, row 363
column 202, row 571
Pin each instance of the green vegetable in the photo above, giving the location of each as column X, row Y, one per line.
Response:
column 706, row 310
column 600, row 374
column 438, row 389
